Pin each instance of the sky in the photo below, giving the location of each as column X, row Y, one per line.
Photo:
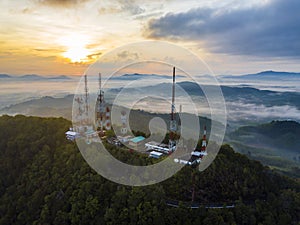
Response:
column 55, row 37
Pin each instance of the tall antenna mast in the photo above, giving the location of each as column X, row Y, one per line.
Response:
column 173, row 96
column 100, row 106
column 86, row 97
column 173, row 126
column 100, row 85
column 101, row 95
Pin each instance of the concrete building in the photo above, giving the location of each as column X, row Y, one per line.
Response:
column 137, row 142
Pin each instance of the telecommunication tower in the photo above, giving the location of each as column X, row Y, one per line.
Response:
column 173, row 123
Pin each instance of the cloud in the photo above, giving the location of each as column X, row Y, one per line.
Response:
column 48, row 50
column 27, row 10
column 129, row 6
column 272, row 29
column 61, row 3
column 132, row 7
column 128, row 55
column 94, row 56
column 248, row 111
column 145, row 16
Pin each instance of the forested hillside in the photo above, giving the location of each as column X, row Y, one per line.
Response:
column 277, row 134
column 276, row 144
column 44, row 180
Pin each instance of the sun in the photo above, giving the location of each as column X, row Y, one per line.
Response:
column 75, row 46
column 76, row 54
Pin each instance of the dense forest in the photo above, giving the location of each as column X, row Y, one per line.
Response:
column 277, row 134
column 275, row 144
column 45, row 180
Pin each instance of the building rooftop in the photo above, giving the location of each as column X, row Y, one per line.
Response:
column 72, row 133
column 137, row 139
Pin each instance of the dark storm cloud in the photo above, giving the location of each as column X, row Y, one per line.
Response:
column 269, row 30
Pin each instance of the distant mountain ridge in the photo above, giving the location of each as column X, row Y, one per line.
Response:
column 31, row 76
column 5, row 76
column 60, row 77
column 137, row 76
column 241, row 95
column 34, row 77
column 231, row 94
column 269, row 74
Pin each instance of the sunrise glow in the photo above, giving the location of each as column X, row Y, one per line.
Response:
column 65, row 37
column 75, row 45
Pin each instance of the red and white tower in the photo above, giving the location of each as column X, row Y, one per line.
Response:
column 107, row 119
column 204, row 142
column 102, row 111
column 173, row 124
column 124, row 123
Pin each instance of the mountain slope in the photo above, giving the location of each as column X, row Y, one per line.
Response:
column 277, row 134
column 44, row 180
column 276, row 144
column 45, row 106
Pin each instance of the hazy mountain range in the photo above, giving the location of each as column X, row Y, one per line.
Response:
column 274, row 143
column 261, row 75
column 34, row 77
column 137, row 76
column 246, row 106
column 267, row 75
